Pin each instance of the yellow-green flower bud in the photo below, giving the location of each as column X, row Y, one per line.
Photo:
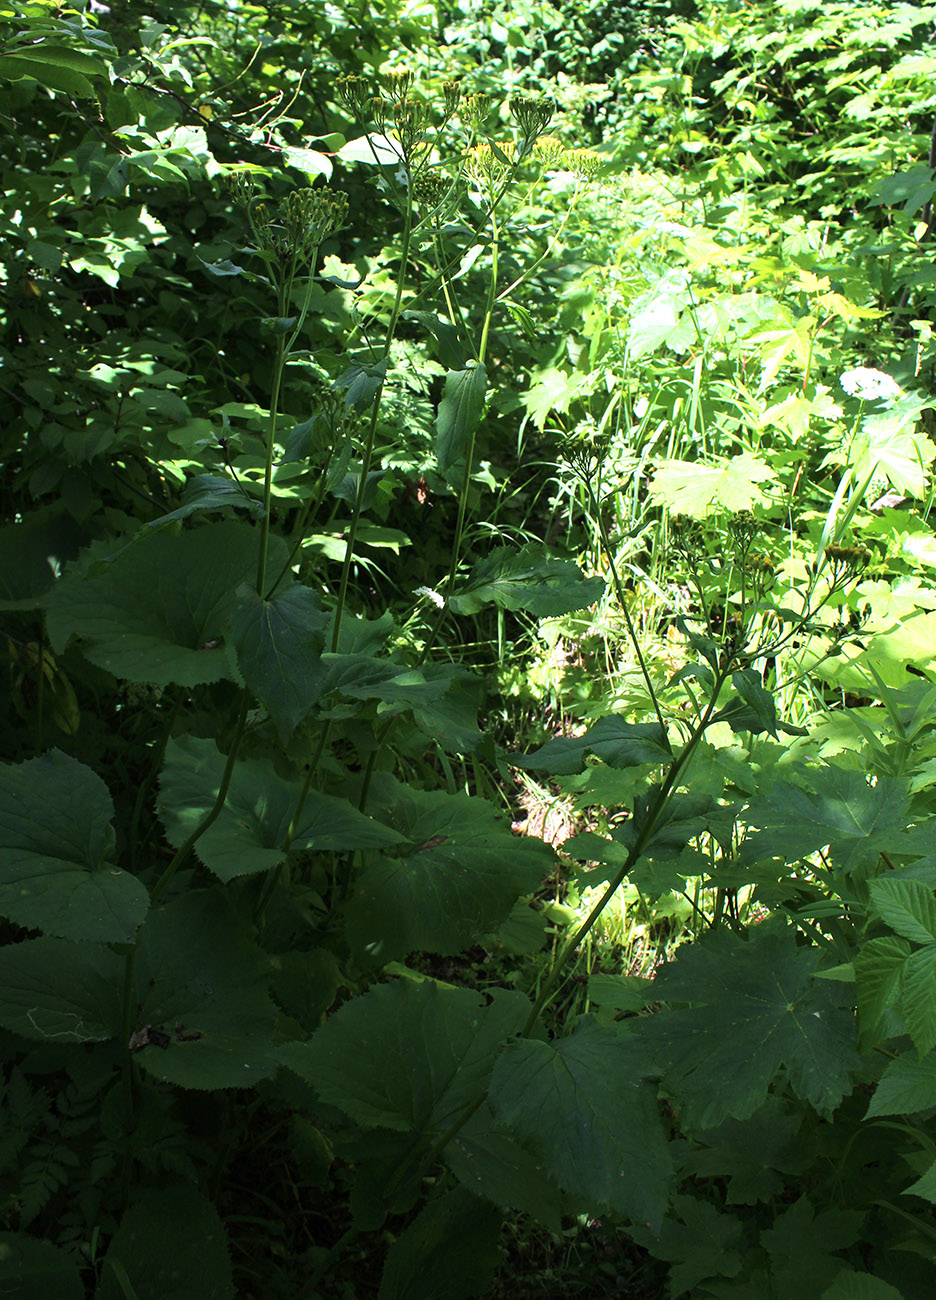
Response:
column 532, row 115
column 452, row 92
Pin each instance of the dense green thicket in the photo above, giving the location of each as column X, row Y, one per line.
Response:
column 425, row 425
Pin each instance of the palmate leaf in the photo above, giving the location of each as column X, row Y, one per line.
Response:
column 56, row 851
column 529, row 579
column 755, row 1009
column 839, row 808
column 279, row 643
column 691, row 488
column 456, row 880
column 442, row 699
column 407, row 1056
column 159, row 611
column 583, row 1105
column 703, row 1242
column 251, row 833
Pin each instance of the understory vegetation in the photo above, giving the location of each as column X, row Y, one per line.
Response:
column 467, row 816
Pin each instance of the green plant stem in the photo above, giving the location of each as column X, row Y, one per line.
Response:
column 215, row 812
column 279, row 366
column 372, row 429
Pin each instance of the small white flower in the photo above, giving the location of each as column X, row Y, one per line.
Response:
column 641, row 407
column 434, row 596
column 870, row 384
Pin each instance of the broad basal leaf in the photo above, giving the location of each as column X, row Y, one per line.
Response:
column 457, row 878
column 32, row 1269
column 159, row 612
column 407, row 1056
column 60, row 992
column 529, row 579
column 251, row 833
column 614, row 741
column 201, row 985
column 448, row 1252
column 56, row 853
column 278, row 644
column 459, row 413
column 689, row 487
column 755, row 1009
column 170, row 1244
column 488, row 1160
column 583, row 1105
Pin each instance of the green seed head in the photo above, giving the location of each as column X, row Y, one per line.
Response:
column 531, row 114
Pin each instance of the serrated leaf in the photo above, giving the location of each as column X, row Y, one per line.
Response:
column 448, row 1252
column 57, row 845
column 614, row 741
column 443, row 699
column 457, row 879
column 159, row 612
column 925, row 1185
column 760, row 705
column 801, row 1242
column 703, row 1242
column 878, row 971
column 839, row 809
column 691, row 488
column 278, row 644
column 407, row 1056
column 251, row 832
column 849, row 1285
column 583, row 1105
column 530, row 579
column 488, row 1160
column 361, row 383
column 198, row 973
column 32, row 1269
column 755, row 1009
column 170, row 1243
column 459, row 413
column 919, row 998
column 906, row 1086
column 60, row 992
column 907, row 906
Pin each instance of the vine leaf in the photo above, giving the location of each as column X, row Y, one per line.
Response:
column 529, row 579
column 278, row 644
column 456, row 879
column 56, row 853
column 754, row 1008
column 584, row 1106
column 407, row 1056
column 159, row 611
column 251, row 833
column 459, row 413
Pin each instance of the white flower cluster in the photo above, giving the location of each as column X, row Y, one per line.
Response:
column 870, row 384
column 434, row 596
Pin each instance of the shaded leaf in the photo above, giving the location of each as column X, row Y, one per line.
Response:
column 448, row 1252
column 170, row 1244
column 906, row 1086
column 529, row 579
column 614, row 741
column 31, row 1269
column 583, row 1105
column 457, row 879
column 57, row 846
column 459, row 413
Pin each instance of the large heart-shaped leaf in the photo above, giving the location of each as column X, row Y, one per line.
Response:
column 159, row 611
column 457, row 878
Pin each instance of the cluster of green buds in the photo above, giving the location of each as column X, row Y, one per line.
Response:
column 847, row 562
column 305, row 219
column 430, row 189
column 487, row 164
column 355, row 94
column 532, row 115
column 477, row 110
column 742, row 529
column 584, row 163
column 549, row 151
column 687, row 536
